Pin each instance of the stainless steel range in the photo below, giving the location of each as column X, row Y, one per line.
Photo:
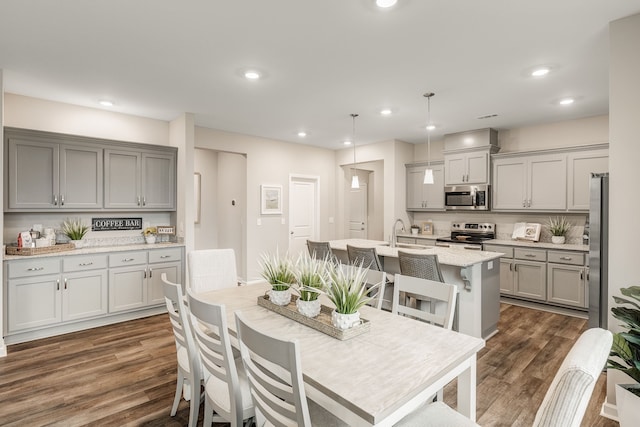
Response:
column 469, row 235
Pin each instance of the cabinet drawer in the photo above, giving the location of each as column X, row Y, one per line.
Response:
column 165, row 255
column 402, row 239
column 33, row 267
column 122, row 259
column 563, row 257
column 82, row 263
column 506, row 250
column 530, row 254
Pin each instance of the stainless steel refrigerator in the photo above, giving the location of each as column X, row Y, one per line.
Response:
column 598, row 250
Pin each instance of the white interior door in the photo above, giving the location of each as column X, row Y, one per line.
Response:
column 303, row 212
column 358, row 212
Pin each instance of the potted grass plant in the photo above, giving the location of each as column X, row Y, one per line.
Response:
column 311, row 276
column 75, row 230
column 347, row 289
column 279, row 272
column 625, row 356
column 559, row 227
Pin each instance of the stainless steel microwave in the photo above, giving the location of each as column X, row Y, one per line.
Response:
column 467, row 197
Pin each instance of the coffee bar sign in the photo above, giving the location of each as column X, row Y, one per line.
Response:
column 111, row 224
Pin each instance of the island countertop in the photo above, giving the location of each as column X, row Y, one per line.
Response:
column 455, row 256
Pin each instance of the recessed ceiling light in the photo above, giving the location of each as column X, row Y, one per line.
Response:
column 302, row 134
column 431, row 127
column 566, row 101
column 106, row 103
column 386, row 111
column 540, row 72
column 252, row 74
column 347, row 143
column 385, row 3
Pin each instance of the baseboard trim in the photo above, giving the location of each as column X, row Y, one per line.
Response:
column 609, row 411
column 545, row 307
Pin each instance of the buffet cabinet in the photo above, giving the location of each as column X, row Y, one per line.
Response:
column 555, row 277
column 49, row 295
column 53, row 172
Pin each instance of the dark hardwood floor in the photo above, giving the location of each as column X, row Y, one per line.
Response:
column 124, row 374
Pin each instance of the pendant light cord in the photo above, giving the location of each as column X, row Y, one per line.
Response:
column 353, row 137
column 428, row 95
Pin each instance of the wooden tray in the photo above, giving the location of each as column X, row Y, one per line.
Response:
column 14, row 250
column 320, row 323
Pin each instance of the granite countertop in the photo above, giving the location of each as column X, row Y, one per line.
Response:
column 423, row 236
column 98, row 249
column 539, row 245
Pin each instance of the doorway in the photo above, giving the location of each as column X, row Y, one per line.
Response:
column 303, row 212
column 358, row 210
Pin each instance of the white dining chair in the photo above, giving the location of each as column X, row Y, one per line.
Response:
column 189, row 366
column 225, row 387
column 441, row 298
column 383, row 293
column 278, row 402
column 212, row 269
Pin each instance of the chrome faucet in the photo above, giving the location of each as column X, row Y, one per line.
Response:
column 394, row 235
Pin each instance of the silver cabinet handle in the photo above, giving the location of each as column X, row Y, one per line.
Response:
column 524, row 203
column 58, row 285
column 62, row 200
column 581, row 274
column 55, row 200
column 65, row 283
column 144, row 201
column 529, row 203
column 138, row 200
column 145, row 274
column 566, row 258
column 530, row 255
column 510, row 267
column 35, row 269
column 169, row 256
column 84, row 264
column 150, row 272
column 128, row 259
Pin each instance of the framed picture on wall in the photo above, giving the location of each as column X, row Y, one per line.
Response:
column 427, row 227
column 270, row 199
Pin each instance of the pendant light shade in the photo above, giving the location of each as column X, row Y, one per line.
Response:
column 355, row 182
column 428, row 173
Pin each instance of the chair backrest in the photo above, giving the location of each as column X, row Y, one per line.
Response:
column 209, row 324
column 367, row 257
column 373, row 277
column 211, row 269
column 274, row 372
column 319, row 250
column 178, row 315
column 424, row 266
column 427, row 290
column 568, row 396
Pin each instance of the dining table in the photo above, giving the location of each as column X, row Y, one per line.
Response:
column 377, row 377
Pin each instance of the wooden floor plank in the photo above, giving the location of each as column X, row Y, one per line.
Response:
column 125, row 374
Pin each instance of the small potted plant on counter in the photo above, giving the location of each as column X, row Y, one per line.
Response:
column 75, row 230
column 149, row 234
column 625, row 356
column 311, row 276
column 347, row 289
column 279, row 272
column 559, row 227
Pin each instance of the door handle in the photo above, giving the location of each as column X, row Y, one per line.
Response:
column 55, row 200
column 62, row 200
column 138, row 200
column 58, row 285
column 65, row 283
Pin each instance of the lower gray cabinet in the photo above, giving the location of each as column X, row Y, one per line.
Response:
column 530, row 280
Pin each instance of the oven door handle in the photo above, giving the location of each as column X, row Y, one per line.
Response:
column 474, row 247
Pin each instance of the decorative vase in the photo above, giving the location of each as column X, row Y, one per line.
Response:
column 558, row 240
column 345, row 321
column 150, row 239
column 308, row 308
column 628, row 405
column 77, row 243
column 280, row 297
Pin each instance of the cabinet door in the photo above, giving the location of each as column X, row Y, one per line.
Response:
column 579, row 169
column 506, row 277
column 415, row 182
column 158, row 181
column 548, row 182
column 122, row 179
column 566, row 285
column 127, row 288
column 154, row 282
column 509, row 184
column 33, row 302
column 433, row 194
column 477, row 168
column 530, row 280
column 455, row 169
column 80, row 177
column 84, row 294
column 32, row 175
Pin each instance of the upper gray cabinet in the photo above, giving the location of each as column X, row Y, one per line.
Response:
column 48, row 172
column 421, row 196
column 43, row 174
column 467, row 156
column 140, row 180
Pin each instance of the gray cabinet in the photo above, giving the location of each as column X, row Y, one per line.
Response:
column 46, row 175
column 467, row 168
column 567, row 279
column 140, row 180
column 580, row 165
column 421, row 196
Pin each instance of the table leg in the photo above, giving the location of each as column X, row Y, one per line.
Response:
column 467, row 390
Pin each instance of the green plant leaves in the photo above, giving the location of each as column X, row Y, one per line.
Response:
column 626, row 345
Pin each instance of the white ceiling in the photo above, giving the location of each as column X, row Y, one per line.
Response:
column 323, row 59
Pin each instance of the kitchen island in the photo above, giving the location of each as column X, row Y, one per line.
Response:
column 475, row 273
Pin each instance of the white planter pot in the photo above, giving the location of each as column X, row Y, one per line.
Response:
column 558, row 240
column 628, row 405
column 308, row 308
column 345, row 321
column 150, row 239
column 77, row 243
column 280, row 297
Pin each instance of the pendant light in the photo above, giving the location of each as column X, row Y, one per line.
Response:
column 355, row 183
column 428, row 173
